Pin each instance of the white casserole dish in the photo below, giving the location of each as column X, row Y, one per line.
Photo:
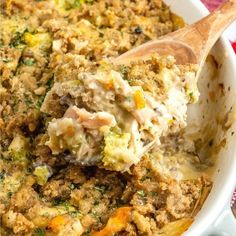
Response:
column 215, row 218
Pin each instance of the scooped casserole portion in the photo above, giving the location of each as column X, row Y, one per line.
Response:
column 88, row 147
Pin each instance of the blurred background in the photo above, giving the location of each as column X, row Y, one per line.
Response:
column 231, row 32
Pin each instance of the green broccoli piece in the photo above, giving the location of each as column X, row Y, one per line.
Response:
column 116, row 154
column 42, row 174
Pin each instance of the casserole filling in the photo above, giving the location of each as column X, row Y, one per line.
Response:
column 117, row 113
column 88, row 147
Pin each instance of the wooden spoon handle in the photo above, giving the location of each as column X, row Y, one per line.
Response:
column 202, row 35
column 212, row 26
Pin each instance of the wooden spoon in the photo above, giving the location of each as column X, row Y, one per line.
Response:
column 190, row 44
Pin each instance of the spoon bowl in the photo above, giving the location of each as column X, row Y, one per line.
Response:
column 182, row 52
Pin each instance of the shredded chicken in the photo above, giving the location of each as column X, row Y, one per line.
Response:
column 90, row 120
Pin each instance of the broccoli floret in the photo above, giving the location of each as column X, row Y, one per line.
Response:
column 42, row 41
column 42, row 174
column 18, row 148
column 116, row 154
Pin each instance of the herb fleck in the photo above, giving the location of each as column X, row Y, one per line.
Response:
column 95, row 215
column 29, row 62
column 124, row 71
column 191, row 94
column 28, row 101
column 101, row 188
column 145, row 178
column 50, row 83
column 141, row 193
column 40, row 102
column 2, row 176
column 154, row 194
column 128, row 99
column 87, row 233
column 57, row 201
column 75, row 214
column 16, row 41
column 9, row 194
column 77, row 3
column 39, row 232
